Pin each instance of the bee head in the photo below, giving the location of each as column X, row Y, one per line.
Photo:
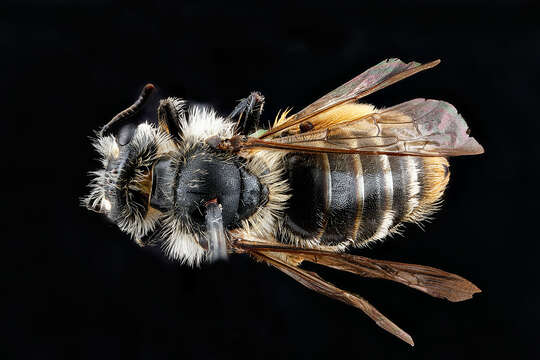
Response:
column 121, row 188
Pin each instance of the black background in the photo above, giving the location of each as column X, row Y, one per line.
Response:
column 78, row 288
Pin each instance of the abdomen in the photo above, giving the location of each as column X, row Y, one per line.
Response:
column 339, row 200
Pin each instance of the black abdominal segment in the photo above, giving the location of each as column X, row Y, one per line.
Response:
column 337, row 198
column 401, row 192
column 344, row 201
column 375, row 201
column 308, row 203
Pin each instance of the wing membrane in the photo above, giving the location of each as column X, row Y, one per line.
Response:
column 431, row 281
column 286, row 258
column 375, row 78
column 314, row 282
column 416, row 127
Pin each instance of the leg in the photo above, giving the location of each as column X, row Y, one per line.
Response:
column 169, row 112
column 249, row 111
column 216, row 243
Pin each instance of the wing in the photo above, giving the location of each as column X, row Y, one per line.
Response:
column 432, row 281
column 418, row 127
column 375, row 78
column 314, row 282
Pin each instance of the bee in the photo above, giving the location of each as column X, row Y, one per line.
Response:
column 337, row 175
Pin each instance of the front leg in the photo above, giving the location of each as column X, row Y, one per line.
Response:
column 170, row 111
column 248, row 111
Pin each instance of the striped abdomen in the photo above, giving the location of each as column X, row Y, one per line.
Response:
column 339, row 199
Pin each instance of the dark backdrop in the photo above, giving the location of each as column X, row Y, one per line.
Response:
column 78, row 288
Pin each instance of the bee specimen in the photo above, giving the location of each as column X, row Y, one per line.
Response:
column 336, row 175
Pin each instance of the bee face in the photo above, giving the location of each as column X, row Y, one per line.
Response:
column 121, row 188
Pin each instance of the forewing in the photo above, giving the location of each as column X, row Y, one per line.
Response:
column 375, row 78
column 314, row 282
column 287, row 258
column 417, row 127
column 431, row 281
